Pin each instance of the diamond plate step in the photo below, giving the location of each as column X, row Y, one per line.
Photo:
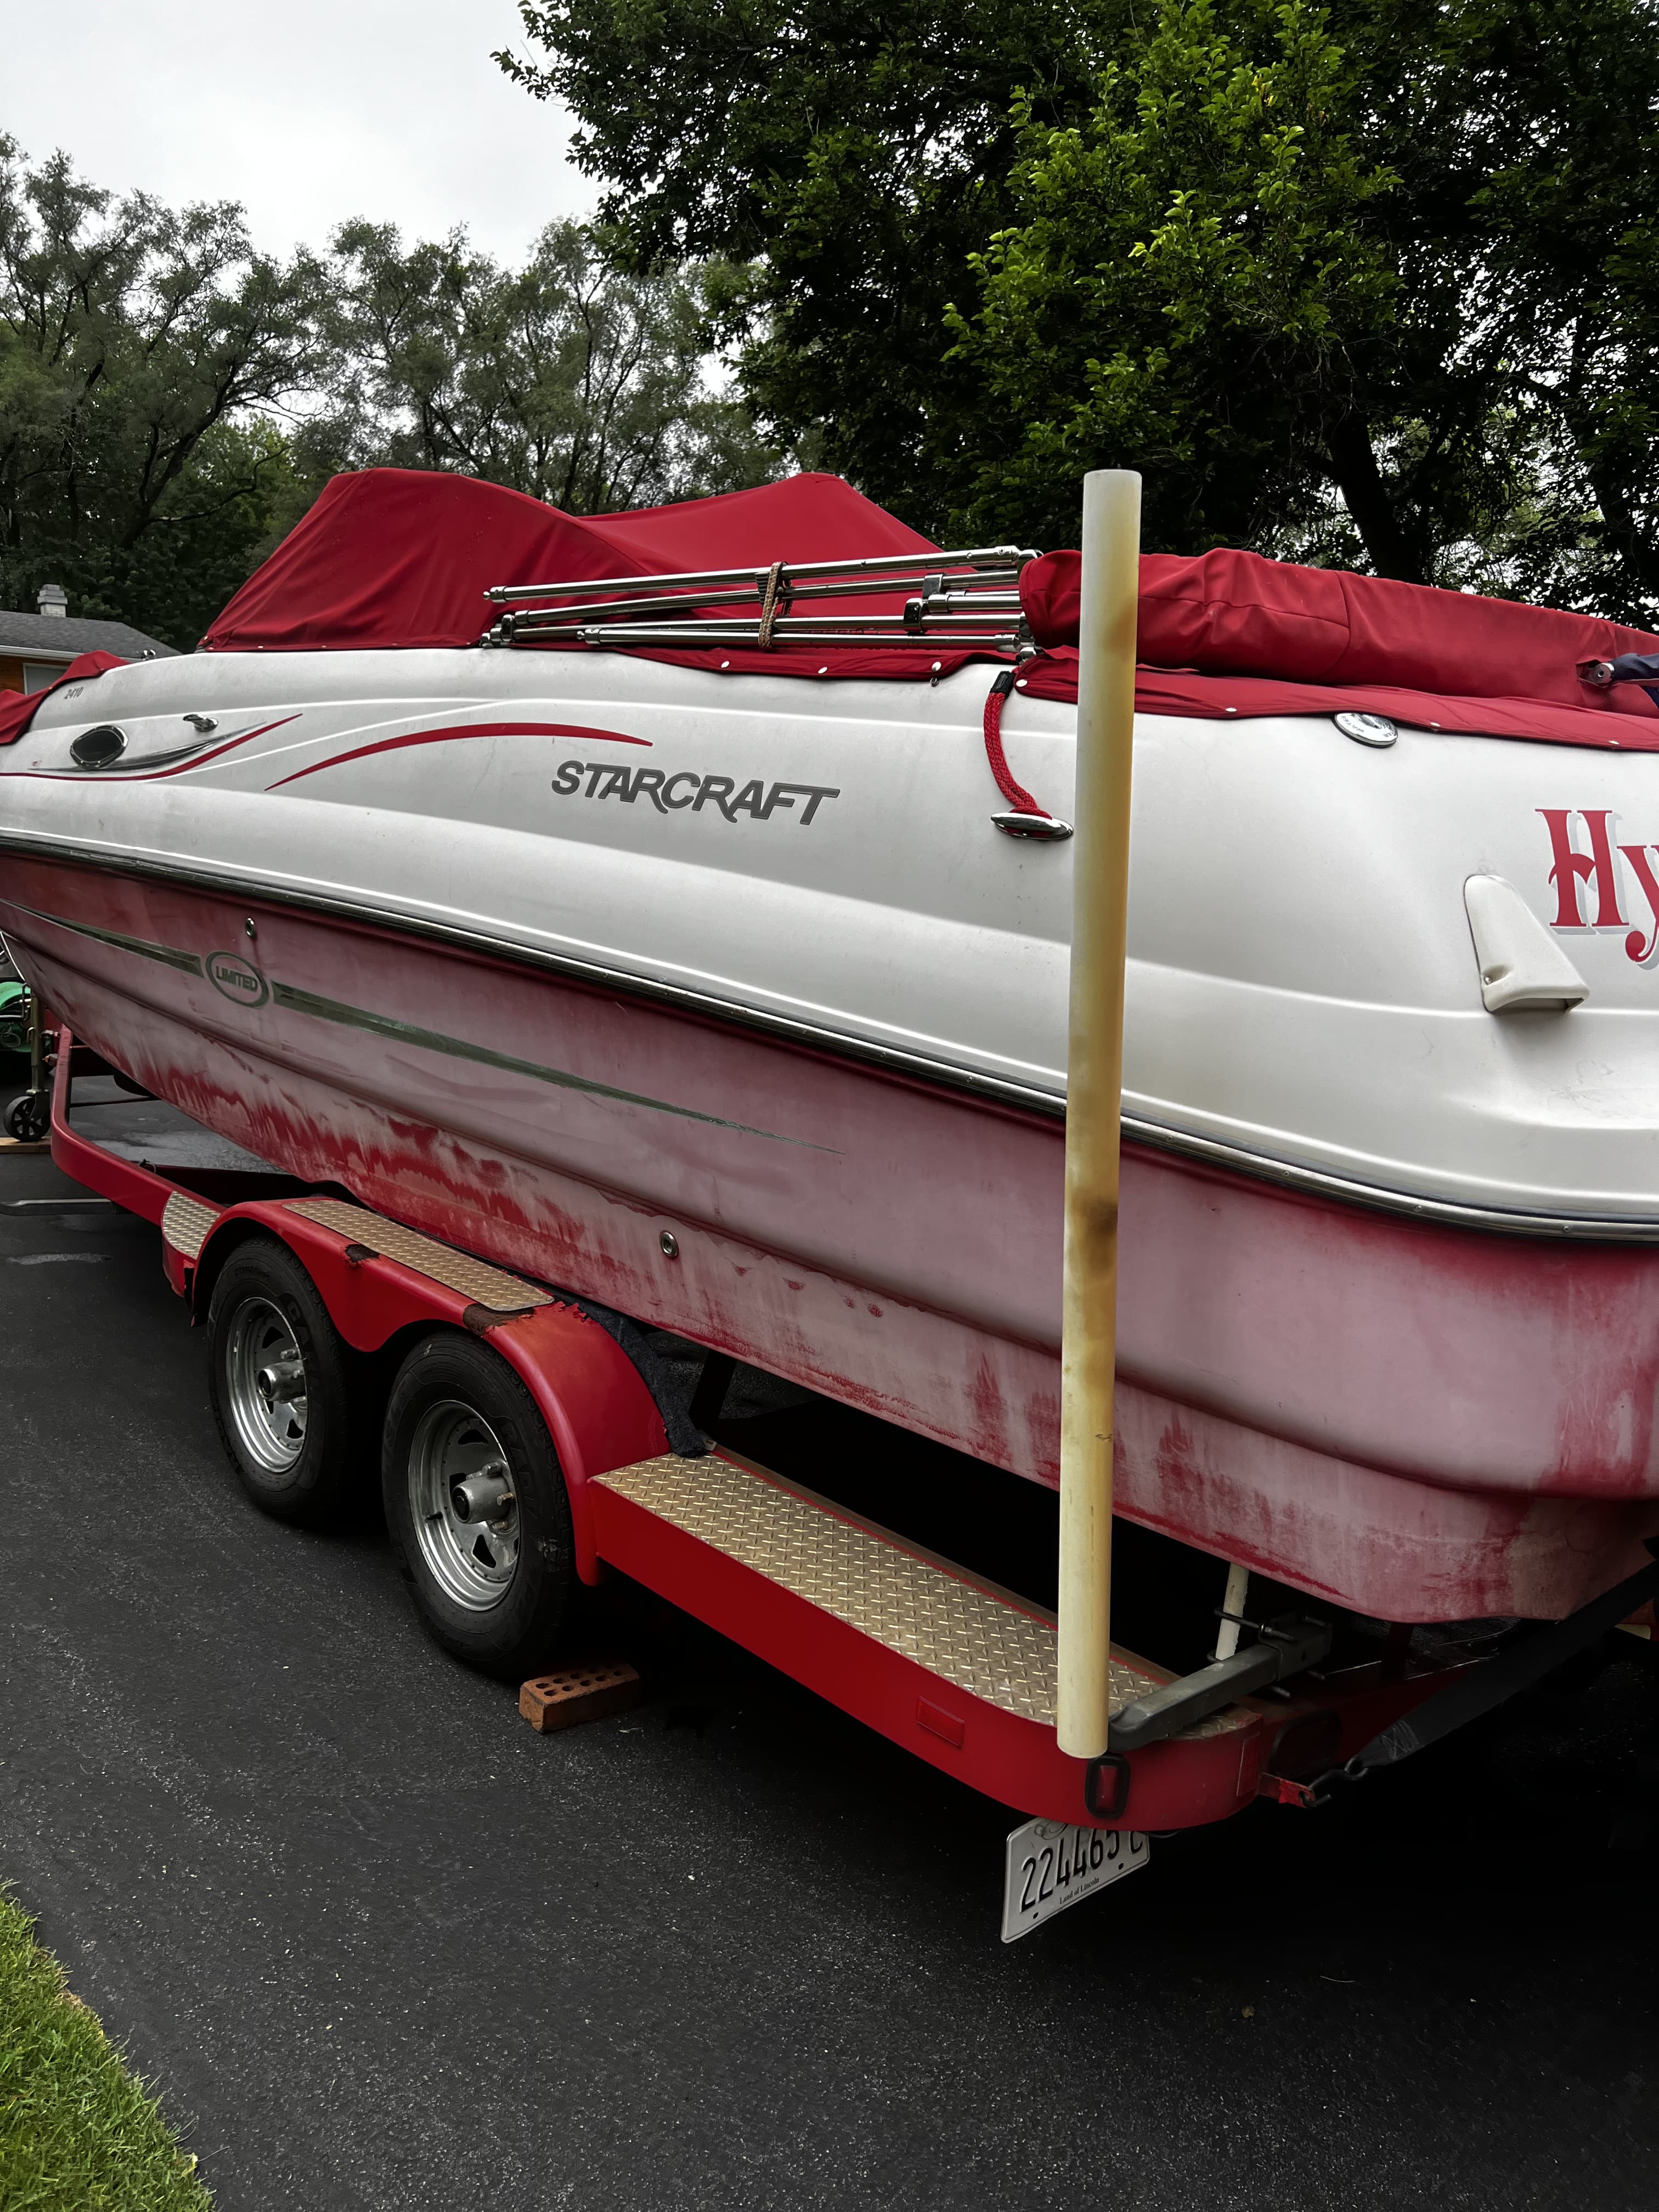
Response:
column 185, row 1223
column 475, row 1280
column 981, row 1641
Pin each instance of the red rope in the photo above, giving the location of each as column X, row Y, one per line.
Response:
column 1016, row 793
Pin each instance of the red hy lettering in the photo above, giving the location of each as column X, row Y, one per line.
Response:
column 1571, row 868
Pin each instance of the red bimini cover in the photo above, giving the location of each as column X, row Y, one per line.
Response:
column 404, row 557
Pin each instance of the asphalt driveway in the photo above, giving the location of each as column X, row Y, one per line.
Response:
column 384, row 1946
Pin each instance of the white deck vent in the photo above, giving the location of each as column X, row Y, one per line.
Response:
column 1523, row 969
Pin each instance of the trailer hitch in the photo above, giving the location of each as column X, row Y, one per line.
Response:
column 1286, row 1646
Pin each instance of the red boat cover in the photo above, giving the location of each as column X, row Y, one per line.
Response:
column 400, row 557
column 1234, row 613
column 403, row 557
column 17, row 708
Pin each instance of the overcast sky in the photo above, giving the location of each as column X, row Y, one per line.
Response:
column 308, row 113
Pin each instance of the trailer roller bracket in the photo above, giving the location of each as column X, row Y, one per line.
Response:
column 1287, row 1646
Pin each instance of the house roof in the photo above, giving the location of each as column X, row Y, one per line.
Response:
column 62, row 636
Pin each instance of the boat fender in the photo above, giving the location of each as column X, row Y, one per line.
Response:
column 1641, row 668
column 1523, row 969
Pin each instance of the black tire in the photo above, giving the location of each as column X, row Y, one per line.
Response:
column 28, row 1118
column 308, row 1461
column 495, row 1589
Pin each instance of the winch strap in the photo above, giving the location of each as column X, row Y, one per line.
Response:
column 1525, row 1662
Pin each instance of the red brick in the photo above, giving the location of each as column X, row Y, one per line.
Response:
column 570, row 1694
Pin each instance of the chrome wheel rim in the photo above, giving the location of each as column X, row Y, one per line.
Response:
column 265, row 1385
column 461, row 1500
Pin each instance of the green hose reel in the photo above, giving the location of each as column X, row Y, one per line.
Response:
column 14, row 1019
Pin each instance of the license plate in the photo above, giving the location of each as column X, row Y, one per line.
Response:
column 1051, row 1866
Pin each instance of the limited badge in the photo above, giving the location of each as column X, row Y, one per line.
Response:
column 237, row 979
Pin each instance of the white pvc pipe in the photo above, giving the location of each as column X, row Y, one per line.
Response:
column 1110, row 587
column 1232, row 1603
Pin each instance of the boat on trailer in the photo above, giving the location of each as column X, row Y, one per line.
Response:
column 666, row 917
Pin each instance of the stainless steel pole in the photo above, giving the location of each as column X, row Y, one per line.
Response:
column 1094, row 1100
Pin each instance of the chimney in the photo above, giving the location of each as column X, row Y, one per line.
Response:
column 52, row 600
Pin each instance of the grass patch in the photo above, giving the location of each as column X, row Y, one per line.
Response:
column 78, row 2132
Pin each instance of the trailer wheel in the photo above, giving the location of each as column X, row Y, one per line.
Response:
column 283, row 1387
column 476, row 1507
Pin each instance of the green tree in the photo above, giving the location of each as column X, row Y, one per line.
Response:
column 1189, row 286
column 850, row 158
column 1373, row 284
column 139, row 350
column 171, row 401
column 567, row 379
column 1309, row 283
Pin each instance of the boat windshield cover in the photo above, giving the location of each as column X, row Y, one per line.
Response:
column 404, row 557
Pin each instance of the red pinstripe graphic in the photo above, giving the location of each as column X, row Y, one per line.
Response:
column 161, row 775
column 463, row 730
